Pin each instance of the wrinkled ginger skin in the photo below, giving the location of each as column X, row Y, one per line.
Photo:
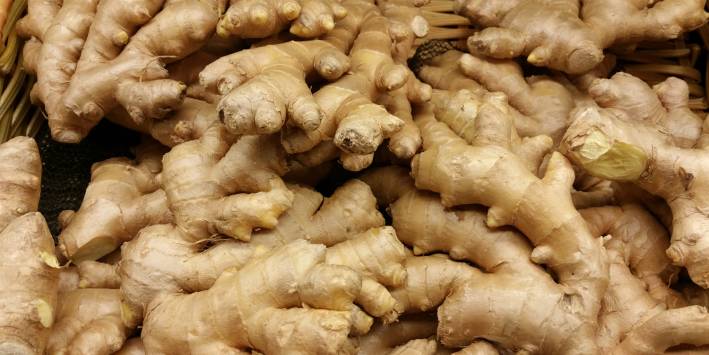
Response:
column 539, row 104
column 642, row 241
column 20, row 175
column 228, row 185
column 38, row 19
column 615, row 143
column 261, row 313
column 353, row 125
column 263, row 86
column 88, row 321
column 632, row 322
column 29, row 273
column 122, row 197
column 480, row 174
column 570, row 35
column 57, row 60
column 261, row 19
column 93, row 91
column 158, row 260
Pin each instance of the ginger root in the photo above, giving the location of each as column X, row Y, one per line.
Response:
column 88, row 322
column 571, row 35
column 122, row 198
column 463, row 295
column 29, row 269
column 651, row 138
column 641, row 241
column 541, row 104
column 261, row 19
column 272, row 290
column 353, row 125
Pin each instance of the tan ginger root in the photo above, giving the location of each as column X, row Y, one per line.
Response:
column 32, row 28
column 261, row 19
column 570, row 35
column 541, row 104
column 29, row 269
column 353, row 125
column 409, row 335
column 133, row 346
column 263, row 86
column 20, row 175
column 489, row 173
column 171, row 265
column 121, row 64
column 88, row 322
column 641, row 241
column 188, row 122
column 29, row 273
column 407, row 25
column 123, row 197
column 647, row 138
column 214, row 186
column 467, row 296
column 633, row 322
column 219, row 194
column 272, row 289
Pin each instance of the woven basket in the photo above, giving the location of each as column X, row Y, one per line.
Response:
column 17, row 115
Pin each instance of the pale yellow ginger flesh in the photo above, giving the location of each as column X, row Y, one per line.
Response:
column 260, row 19
column 88, row 321
column 651, row 138
column 123, row 197
column 570, row 35
column 274, row 291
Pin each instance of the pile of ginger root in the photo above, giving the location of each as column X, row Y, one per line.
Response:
column 300, row 188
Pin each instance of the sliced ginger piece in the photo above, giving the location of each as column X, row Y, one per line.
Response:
column 655, row 145
column 570, row 35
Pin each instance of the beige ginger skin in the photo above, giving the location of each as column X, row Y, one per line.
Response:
column 29, row 269
column 649, row 136
column 570, row 35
